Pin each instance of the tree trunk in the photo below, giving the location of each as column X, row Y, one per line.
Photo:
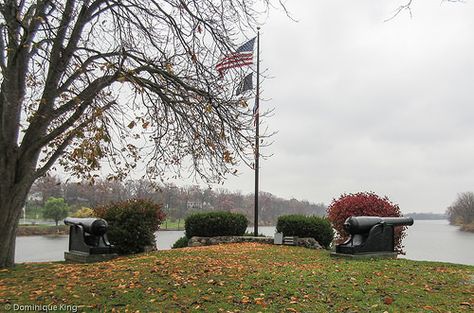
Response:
column 9, row 217
column 14, row 187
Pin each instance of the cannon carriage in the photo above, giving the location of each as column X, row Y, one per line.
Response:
column 371, row 235
column 88, row 240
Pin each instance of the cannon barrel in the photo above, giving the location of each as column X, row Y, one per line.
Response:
column 94, row 226
column 363, row 224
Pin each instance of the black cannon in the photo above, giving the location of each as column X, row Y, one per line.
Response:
column 88, row 235
column 371, row 234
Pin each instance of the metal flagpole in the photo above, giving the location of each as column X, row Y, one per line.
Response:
column 257, row 141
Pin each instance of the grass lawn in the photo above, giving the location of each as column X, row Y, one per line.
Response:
column 243, row 278
column 172, row 225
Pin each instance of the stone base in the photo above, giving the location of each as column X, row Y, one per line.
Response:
column 365, row 256
column 82, row 257
column 207, row 241
column 309, row 243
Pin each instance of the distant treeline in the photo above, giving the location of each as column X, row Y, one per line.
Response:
column 427, row 216
column 461, row 212
column 177, row 201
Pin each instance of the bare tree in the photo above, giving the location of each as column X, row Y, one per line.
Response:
column 406, row 6
column 117, row 82
column 48, row 186
column 462, row 210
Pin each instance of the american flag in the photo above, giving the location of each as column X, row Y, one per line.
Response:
column 245, row 85
column 241, row 57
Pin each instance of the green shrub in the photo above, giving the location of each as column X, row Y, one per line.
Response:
column 132, row 224
column 55, row 209
column 302, row 226
column 181, row 243
column 212, row 224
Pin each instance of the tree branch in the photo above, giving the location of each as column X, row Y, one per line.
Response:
column 85, row 98
column 82, row 69
column 56, row 63
column 401, row 8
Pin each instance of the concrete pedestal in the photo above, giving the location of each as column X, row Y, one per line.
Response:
column 82, row 257
column 278, row 239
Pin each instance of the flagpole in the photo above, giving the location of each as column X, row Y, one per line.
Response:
column 257, row 141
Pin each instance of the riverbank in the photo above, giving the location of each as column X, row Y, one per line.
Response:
column 42, row 230
column 243, row 277
column 45, row 230
column 468, row 227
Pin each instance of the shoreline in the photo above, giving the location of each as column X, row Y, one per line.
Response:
column 469, row 228
column 34, row 230
column 41, row 230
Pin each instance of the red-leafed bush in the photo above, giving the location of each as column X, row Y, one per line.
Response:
column 363, row 204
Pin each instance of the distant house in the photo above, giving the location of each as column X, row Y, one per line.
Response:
column 194, row 205
column 35, row 197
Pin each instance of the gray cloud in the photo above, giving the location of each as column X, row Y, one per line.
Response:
column 365, row 105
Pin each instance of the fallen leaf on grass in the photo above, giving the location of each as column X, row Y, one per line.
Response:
column 260, row 301
column 387, row 300
column 37, row 292
column 428, row 288
column 245, row 300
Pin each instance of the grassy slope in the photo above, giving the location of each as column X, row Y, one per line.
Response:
column 244, row 278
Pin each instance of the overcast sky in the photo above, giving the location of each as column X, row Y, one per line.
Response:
column 367, row 105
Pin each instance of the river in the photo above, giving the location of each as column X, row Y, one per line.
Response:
column 434, row 240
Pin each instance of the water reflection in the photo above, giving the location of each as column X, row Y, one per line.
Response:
column 426, row 240
column 51, row 248
column 438, row 241
column 40, row 248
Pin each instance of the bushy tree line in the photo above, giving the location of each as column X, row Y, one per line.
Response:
column 461, row 212
column 427, row 216
column 52, row 208
column 177, row 201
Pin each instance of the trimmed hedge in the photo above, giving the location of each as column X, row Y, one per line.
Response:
column 303, row 226
column 132, row 224
column 211, row 224
column 181, row 243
